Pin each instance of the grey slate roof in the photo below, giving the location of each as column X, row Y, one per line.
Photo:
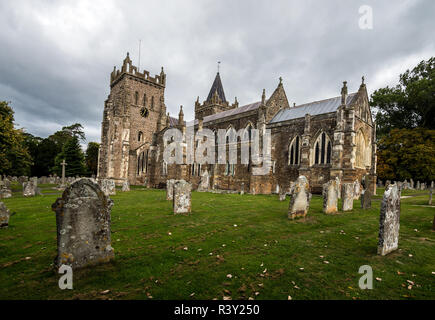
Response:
column 232, row 112
column 217, row 85
column 312, row 108
column 173, row 122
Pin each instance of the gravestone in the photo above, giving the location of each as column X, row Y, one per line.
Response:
column 389, row 224
column 182, row 197
column 7, row 183
column 4, row 215
column 204, row 184
column 107, row 185
column 366, row 199
column 242, row 188
column 29, row 188
column 430, row 196
column 126, row 186
column 83, row 225
column 347, row 197
column 387, row 183
column 412, row 184
column 170, row 189
column 330, row 197
column 5, row 192
column 300, row 198
column 357, row 190
column 417, row 186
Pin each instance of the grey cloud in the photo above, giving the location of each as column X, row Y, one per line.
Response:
column 57, row 55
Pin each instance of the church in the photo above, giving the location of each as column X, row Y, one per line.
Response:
column 322, row 140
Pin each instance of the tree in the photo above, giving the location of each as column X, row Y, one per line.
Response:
column 92, row 157
column 406, row 154
column 410, row 104
column 14, row 156
column 74, row 157
column 44, row 158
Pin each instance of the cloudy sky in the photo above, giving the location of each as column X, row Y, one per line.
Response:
column 56, row 56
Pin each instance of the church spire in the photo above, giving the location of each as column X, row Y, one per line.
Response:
column 217, row 87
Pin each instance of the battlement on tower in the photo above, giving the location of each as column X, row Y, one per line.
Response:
column 129, row 69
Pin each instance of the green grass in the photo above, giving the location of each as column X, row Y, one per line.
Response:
column 263, row 253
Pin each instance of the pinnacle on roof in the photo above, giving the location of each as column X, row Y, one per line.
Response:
column 217, row 87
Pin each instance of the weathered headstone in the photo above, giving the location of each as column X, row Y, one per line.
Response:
column 204, row 185
column 417, row 186
column 430, row 196
column 182, row 197
column 412, row 184
column 300, row 198
column 366, row 199
column 389, row 224
column 126, row 186
column 347, row 197
column 338, row 184
column 5, row 192
column 242, row 188
column 330, row 197
column 4, row 215
column 356, row 190
column 108, row 186
column 83, row 225
column 29, row 188
column 170, row 189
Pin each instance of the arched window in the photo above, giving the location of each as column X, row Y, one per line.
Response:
column 294, row 151
column 322, row 150
column 136, row 97
column 139, row 136
column 152, row 102
column 165, row 168
column 144, row 102
column 363, row 151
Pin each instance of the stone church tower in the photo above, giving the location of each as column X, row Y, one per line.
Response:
column 134, row 110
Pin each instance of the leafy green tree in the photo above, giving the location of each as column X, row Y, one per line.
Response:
column 410, row 104
column 74, row 157
column 92, row 157
column 406, row 154
column 44, row 158
column 14, row 156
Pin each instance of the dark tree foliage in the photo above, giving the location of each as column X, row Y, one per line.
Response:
column 15, row 159
column 410, row 104
column 73, row 156
column 406, row 154
column 92, row 157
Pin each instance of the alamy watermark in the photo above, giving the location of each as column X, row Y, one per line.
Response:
column 366, row 281
column 221, row 147
column 366, row 19
column 66, row 281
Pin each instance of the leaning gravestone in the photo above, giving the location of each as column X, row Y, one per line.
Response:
column 126, row 186
column 170, row 189
column 330, row 197
column 389, row 224
column 282, row 195
column 182, row 197
column 83, row 225
column 29, row 188
column 204, row 185
column 107, row 185
column 4, row 215
column 300, row 201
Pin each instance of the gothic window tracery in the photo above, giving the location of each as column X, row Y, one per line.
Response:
column 294, row 151
column 322, row 150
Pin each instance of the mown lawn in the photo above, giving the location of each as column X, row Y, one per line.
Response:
column 162, row 256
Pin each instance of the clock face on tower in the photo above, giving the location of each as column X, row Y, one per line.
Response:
column 144, row 112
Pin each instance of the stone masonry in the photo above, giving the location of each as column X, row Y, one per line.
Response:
column 170, row 189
